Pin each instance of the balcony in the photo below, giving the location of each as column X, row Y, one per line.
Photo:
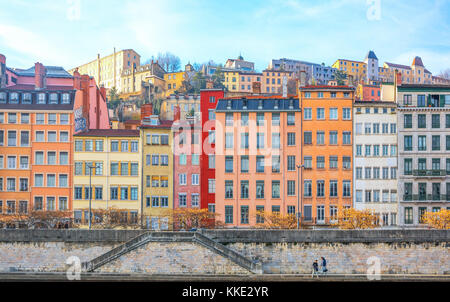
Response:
column 426, row 197
column 429, row 173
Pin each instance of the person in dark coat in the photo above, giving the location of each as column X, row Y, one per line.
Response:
column 324, row 265
column 315, row 269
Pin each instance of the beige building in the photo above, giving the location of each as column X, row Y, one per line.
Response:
column 132, row 79
column 107, row 70
column 414, row 74
column 187, row 103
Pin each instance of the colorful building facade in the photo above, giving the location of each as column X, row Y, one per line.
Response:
column 107, row 170
column 326, row 151
column 208, row 103
column 257, row 149
column 157, row 140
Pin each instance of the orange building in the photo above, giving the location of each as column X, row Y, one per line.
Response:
column 326, row 151
column 258, row 143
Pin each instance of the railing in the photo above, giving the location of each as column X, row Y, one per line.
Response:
column 426, row 197
column 429, row 173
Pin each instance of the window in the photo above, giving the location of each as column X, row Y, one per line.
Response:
column 155, row 159
column 367, row 128
column 290, row 119
column 11, row 184
column 64, row 136
column 333, row 162
column 393, row 128
column 307, row 114
column 358, row 150
column 40, row 118
column 421, row 121
column 346, row 113
column 195, row 198
column 244, row 188
column 124, row 193
column 11, row 162
column 407, row 118
column 114, row 146
column 228, row 189
column 78, row 143
column 229, row 119
column 164, row 160
column 275, row 119
column 228, row 214
column 51, row 180
column 88, row 144
column 436, row 142
column 64, row 119
column 228, row 140
column 320, row 188
column 259, row 140
column 346, row 137
column 12, row 118
column 52, row 118
column 244, row 119
column 244, row 163
column 358, row 173
column 320, row 138
column 23, row 162
column 276, row 140
column 421, row 100
column 435, row 120
column 291, row 187
column 63, row 181
column 320, row 113
column 408, row 215
column 51, row 158
column 276, row 164
column 307, row 137
column 333, row 113
column 211, row 114
column 367, row 172
column 407, row 166
column 211, row 186
column 407, row 143
column 320, row 162
column 114, row 169
column 275, row 189
column 333, row 188
column 376, row 128
column 51, row 136
column 346, row 162
column 12, row 139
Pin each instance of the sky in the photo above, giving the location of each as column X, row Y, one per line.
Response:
column 70, row 33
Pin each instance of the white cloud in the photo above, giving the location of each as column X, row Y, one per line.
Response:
column 29, row 44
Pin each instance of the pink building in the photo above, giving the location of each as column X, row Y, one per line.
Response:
column 187, row 150
column 258, row 145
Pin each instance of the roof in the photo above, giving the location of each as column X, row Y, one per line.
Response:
column 109, row 132
column 277, row 70
column 133, row 122
column 268, row 104
column 32, row 87
column 397, row 65
column 326, row 87
column 165, row 124
column 417, row 61
column 371, row 55
column 51, row 72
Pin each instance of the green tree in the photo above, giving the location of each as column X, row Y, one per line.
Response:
column 113, row 98
column 218, row 78
column 198, row 82
column 340, row 76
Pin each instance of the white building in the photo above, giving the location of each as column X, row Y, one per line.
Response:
column 375, row 159
column 371, row 61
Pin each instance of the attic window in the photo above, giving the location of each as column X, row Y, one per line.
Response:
column 26, row 99
column 53, row 98
column 14, row 98
column 41, row 98
column 2, row 97
column 65, row 98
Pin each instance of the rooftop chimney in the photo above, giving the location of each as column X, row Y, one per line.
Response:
column 177, row 113
column 256, row 86
column 146, row 111
column 39, row 76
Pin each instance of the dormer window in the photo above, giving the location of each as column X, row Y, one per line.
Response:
column 53, row 98
column 41, row 98
column 65, row 98
column 2, row 97
column 14, row 98
column 26, row 98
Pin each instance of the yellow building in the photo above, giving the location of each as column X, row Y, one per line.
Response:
column 231, row 79
column 174, row 81
column 107, row 70
column 157, row 139
column 356, row 69
column 133, row 79
column 272, row 81
column 116, row 157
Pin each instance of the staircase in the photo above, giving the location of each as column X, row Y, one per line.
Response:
column 194, row 237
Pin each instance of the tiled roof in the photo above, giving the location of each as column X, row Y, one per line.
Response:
column 417, row 61
column 397, row 65
column 267, row 104
column 109, row 132
column 51, row 72
column 32, row 87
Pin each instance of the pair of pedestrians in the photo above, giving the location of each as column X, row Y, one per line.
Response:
column 324, row 269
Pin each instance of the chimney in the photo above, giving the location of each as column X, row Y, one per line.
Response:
column 39, row 76
column 76, row 79
column 177, row 113
column 146, row 111
column 398, row 77
column 209, row 84
column 256, row 86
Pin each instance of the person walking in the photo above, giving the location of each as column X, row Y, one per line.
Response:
column 315, row 269
column 324, row 265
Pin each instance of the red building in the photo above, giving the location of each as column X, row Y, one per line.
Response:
column 208, row 102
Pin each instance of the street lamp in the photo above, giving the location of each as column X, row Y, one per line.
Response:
column 90, row 192
column 298, row 195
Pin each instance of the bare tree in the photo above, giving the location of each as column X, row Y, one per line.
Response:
column 445, row 74
column 169, row 61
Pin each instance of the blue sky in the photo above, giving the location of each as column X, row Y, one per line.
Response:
column 54, row 33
